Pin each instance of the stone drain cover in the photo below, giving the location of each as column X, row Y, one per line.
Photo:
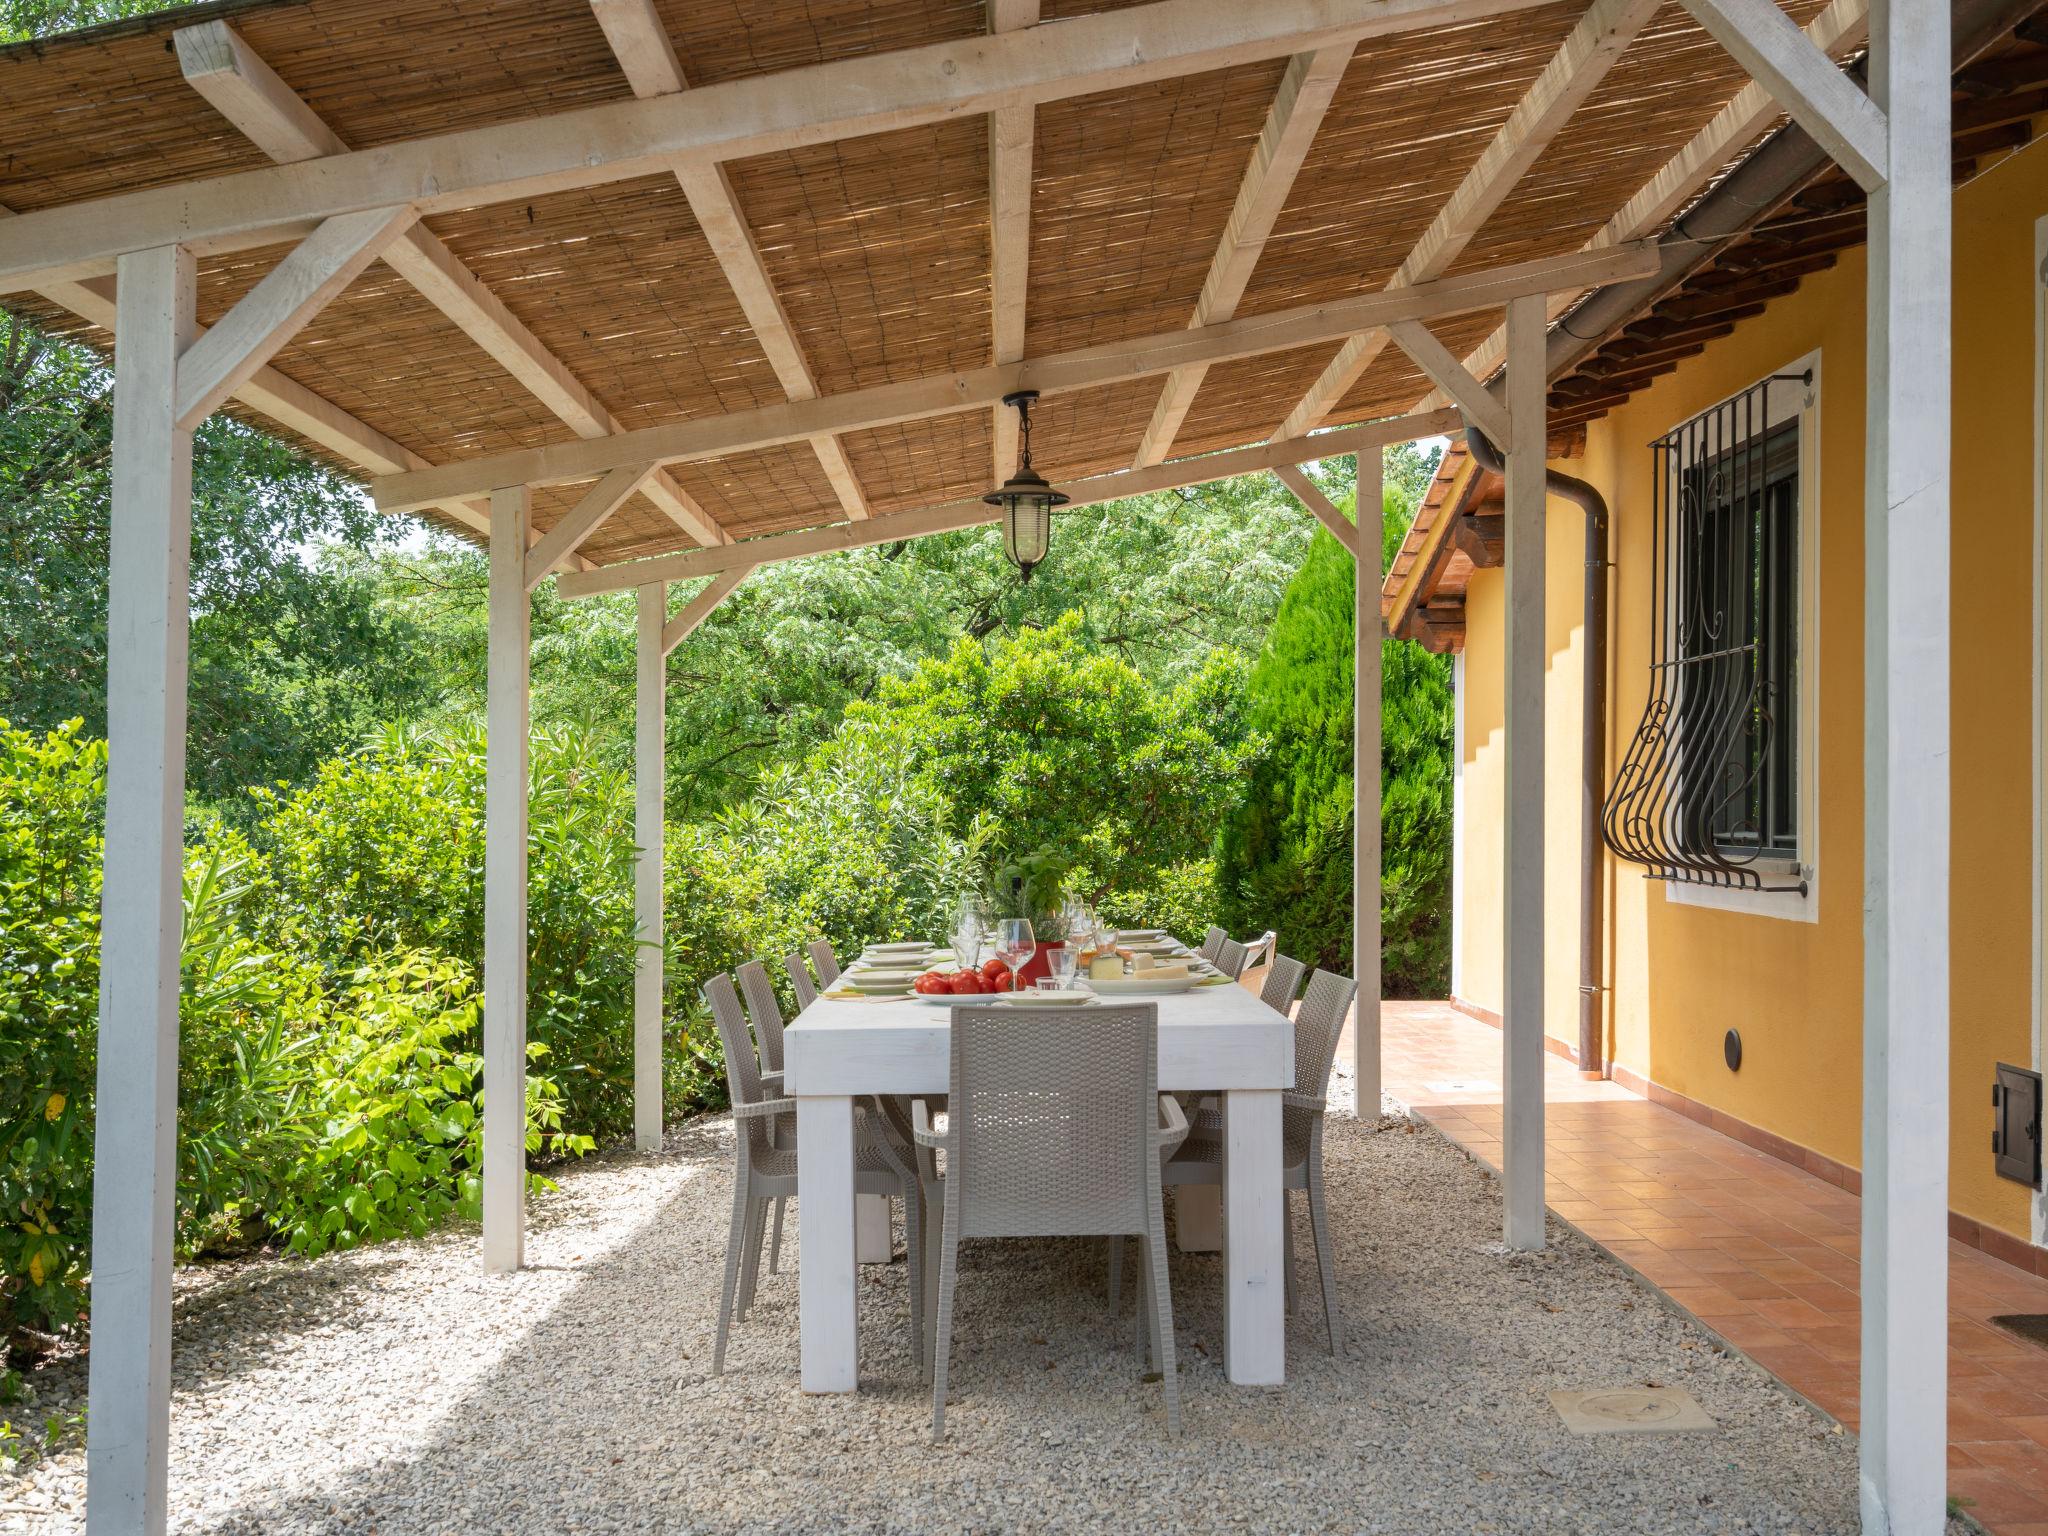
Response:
column 1630, row 1411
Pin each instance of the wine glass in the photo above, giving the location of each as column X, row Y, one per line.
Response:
column 1015, row 944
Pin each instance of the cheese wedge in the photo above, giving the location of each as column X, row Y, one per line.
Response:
column 1176, row 970
column 1105, row 968
column 1141, row 963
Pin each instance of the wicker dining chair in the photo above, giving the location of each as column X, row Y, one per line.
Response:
column 826, row 962
column 1317, row 1024
column 765, row 1169
column 1213, row 940
column 800, row 978
column 1055, row 1130
column 765, row 1009
column 1229, row 958
column 1282, row 983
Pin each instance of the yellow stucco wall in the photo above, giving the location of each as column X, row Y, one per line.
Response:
column 1681, row 975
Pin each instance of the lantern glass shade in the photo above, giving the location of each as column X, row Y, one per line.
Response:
column 1027, row 529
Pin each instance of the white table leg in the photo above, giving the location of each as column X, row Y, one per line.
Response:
column 1254, row 1206
column 826, row 1278
column 872, row 1241
column 1198, row 1218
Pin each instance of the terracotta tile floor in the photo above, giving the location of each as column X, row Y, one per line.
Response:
column 1762, row 1253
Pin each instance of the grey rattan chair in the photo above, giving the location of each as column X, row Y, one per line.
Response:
column 765, row 1009
column 1211, row 942
column 1229, row 958
column 1056, row 1127
column 1283, row 982
column 1317, row 1024
column 765, row 1168
column 825, row 961
column 800, row 979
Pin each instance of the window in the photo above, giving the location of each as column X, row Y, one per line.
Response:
column 1737, row 618
column 1713, row 793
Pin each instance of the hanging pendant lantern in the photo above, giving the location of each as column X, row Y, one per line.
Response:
column 1026, row 499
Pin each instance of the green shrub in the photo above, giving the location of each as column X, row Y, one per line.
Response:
column 52, row 790
column 384, row 851
column 1285, row 851
column 394, row 1106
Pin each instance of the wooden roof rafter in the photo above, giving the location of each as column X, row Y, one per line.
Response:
column 223, row 68
column 1012, row 135
column 1574, row 71
column 648, row 57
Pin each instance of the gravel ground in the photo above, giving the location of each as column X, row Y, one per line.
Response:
column 402, row 1390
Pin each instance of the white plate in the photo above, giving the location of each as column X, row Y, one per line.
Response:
column 941, row 999
column 904, row 947
column 1036, row 999
column 1139, row 986
column 882, row 973
column 1143, row 933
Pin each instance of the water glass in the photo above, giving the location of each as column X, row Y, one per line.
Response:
column 1064, row 963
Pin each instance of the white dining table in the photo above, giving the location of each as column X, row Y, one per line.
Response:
column 1213, row 1039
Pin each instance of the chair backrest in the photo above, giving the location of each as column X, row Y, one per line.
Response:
column 1262, row 949
column 1317, row 1025
column 1229, row 958
column 1283, row 981
column 742, row 1072
column 1052, row 1121
column 1212, row 941
column 800, row 978
column 766, row 1011
column 826, row 962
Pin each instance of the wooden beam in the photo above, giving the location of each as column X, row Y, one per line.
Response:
column 1434, row 359
column 948, row 516
column 698, row 609
column 1310, row 495
column 1367, row 802
column 732, row 120
column 508, row 721
column 918, row 399
column 1837, row 30
column 220, row 65
column 275, row 310
column 1306, row 88
column 583, row 519
column 1413, row 590
column 1527, row 663
column 1803, row 80
column 1012, row 138
column 641, row 44
column 1579, row 64
column 650, row 817
column 1909, row 781
column 135, row 1138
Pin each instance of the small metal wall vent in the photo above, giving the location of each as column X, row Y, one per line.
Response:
column 2016, row 1124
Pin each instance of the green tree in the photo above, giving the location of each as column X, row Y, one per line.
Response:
column 1285, row 851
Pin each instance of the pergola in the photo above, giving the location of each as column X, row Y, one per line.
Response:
column 670, row 291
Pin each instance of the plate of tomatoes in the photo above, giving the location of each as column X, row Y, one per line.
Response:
column 984, row 985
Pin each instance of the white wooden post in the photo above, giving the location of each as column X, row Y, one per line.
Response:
column 1904, row 1420
column 135, row 1146
column 650, row 737
column 505, row 792
column 1365, row 802
column 1522, row 1006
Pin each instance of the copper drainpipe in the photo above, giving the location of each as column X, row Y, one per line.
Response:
column 1592, row 747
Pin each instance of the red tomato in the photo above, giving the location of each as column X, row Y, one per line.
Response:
column 992, row 968
column 1004, row 983
column 931, row 983
column 965, row 984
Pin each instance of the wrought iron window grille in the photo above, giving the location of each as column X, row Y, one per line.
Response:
column 1707, row 790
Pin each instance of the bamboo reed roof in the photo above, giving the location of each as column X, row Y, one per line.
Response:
column 878, row 248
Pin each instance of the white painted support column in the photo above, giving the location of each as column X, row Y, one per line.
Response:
column 827, row 1284
column 650, row 742
column 135, row 1164
column 505, row 807
column 1522, row 1010
column 1254, row 1210
column 1904, row 1421
column 1365, row 788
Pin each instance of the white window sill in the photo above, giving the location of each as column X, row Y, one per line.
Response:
column 1788, row 906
